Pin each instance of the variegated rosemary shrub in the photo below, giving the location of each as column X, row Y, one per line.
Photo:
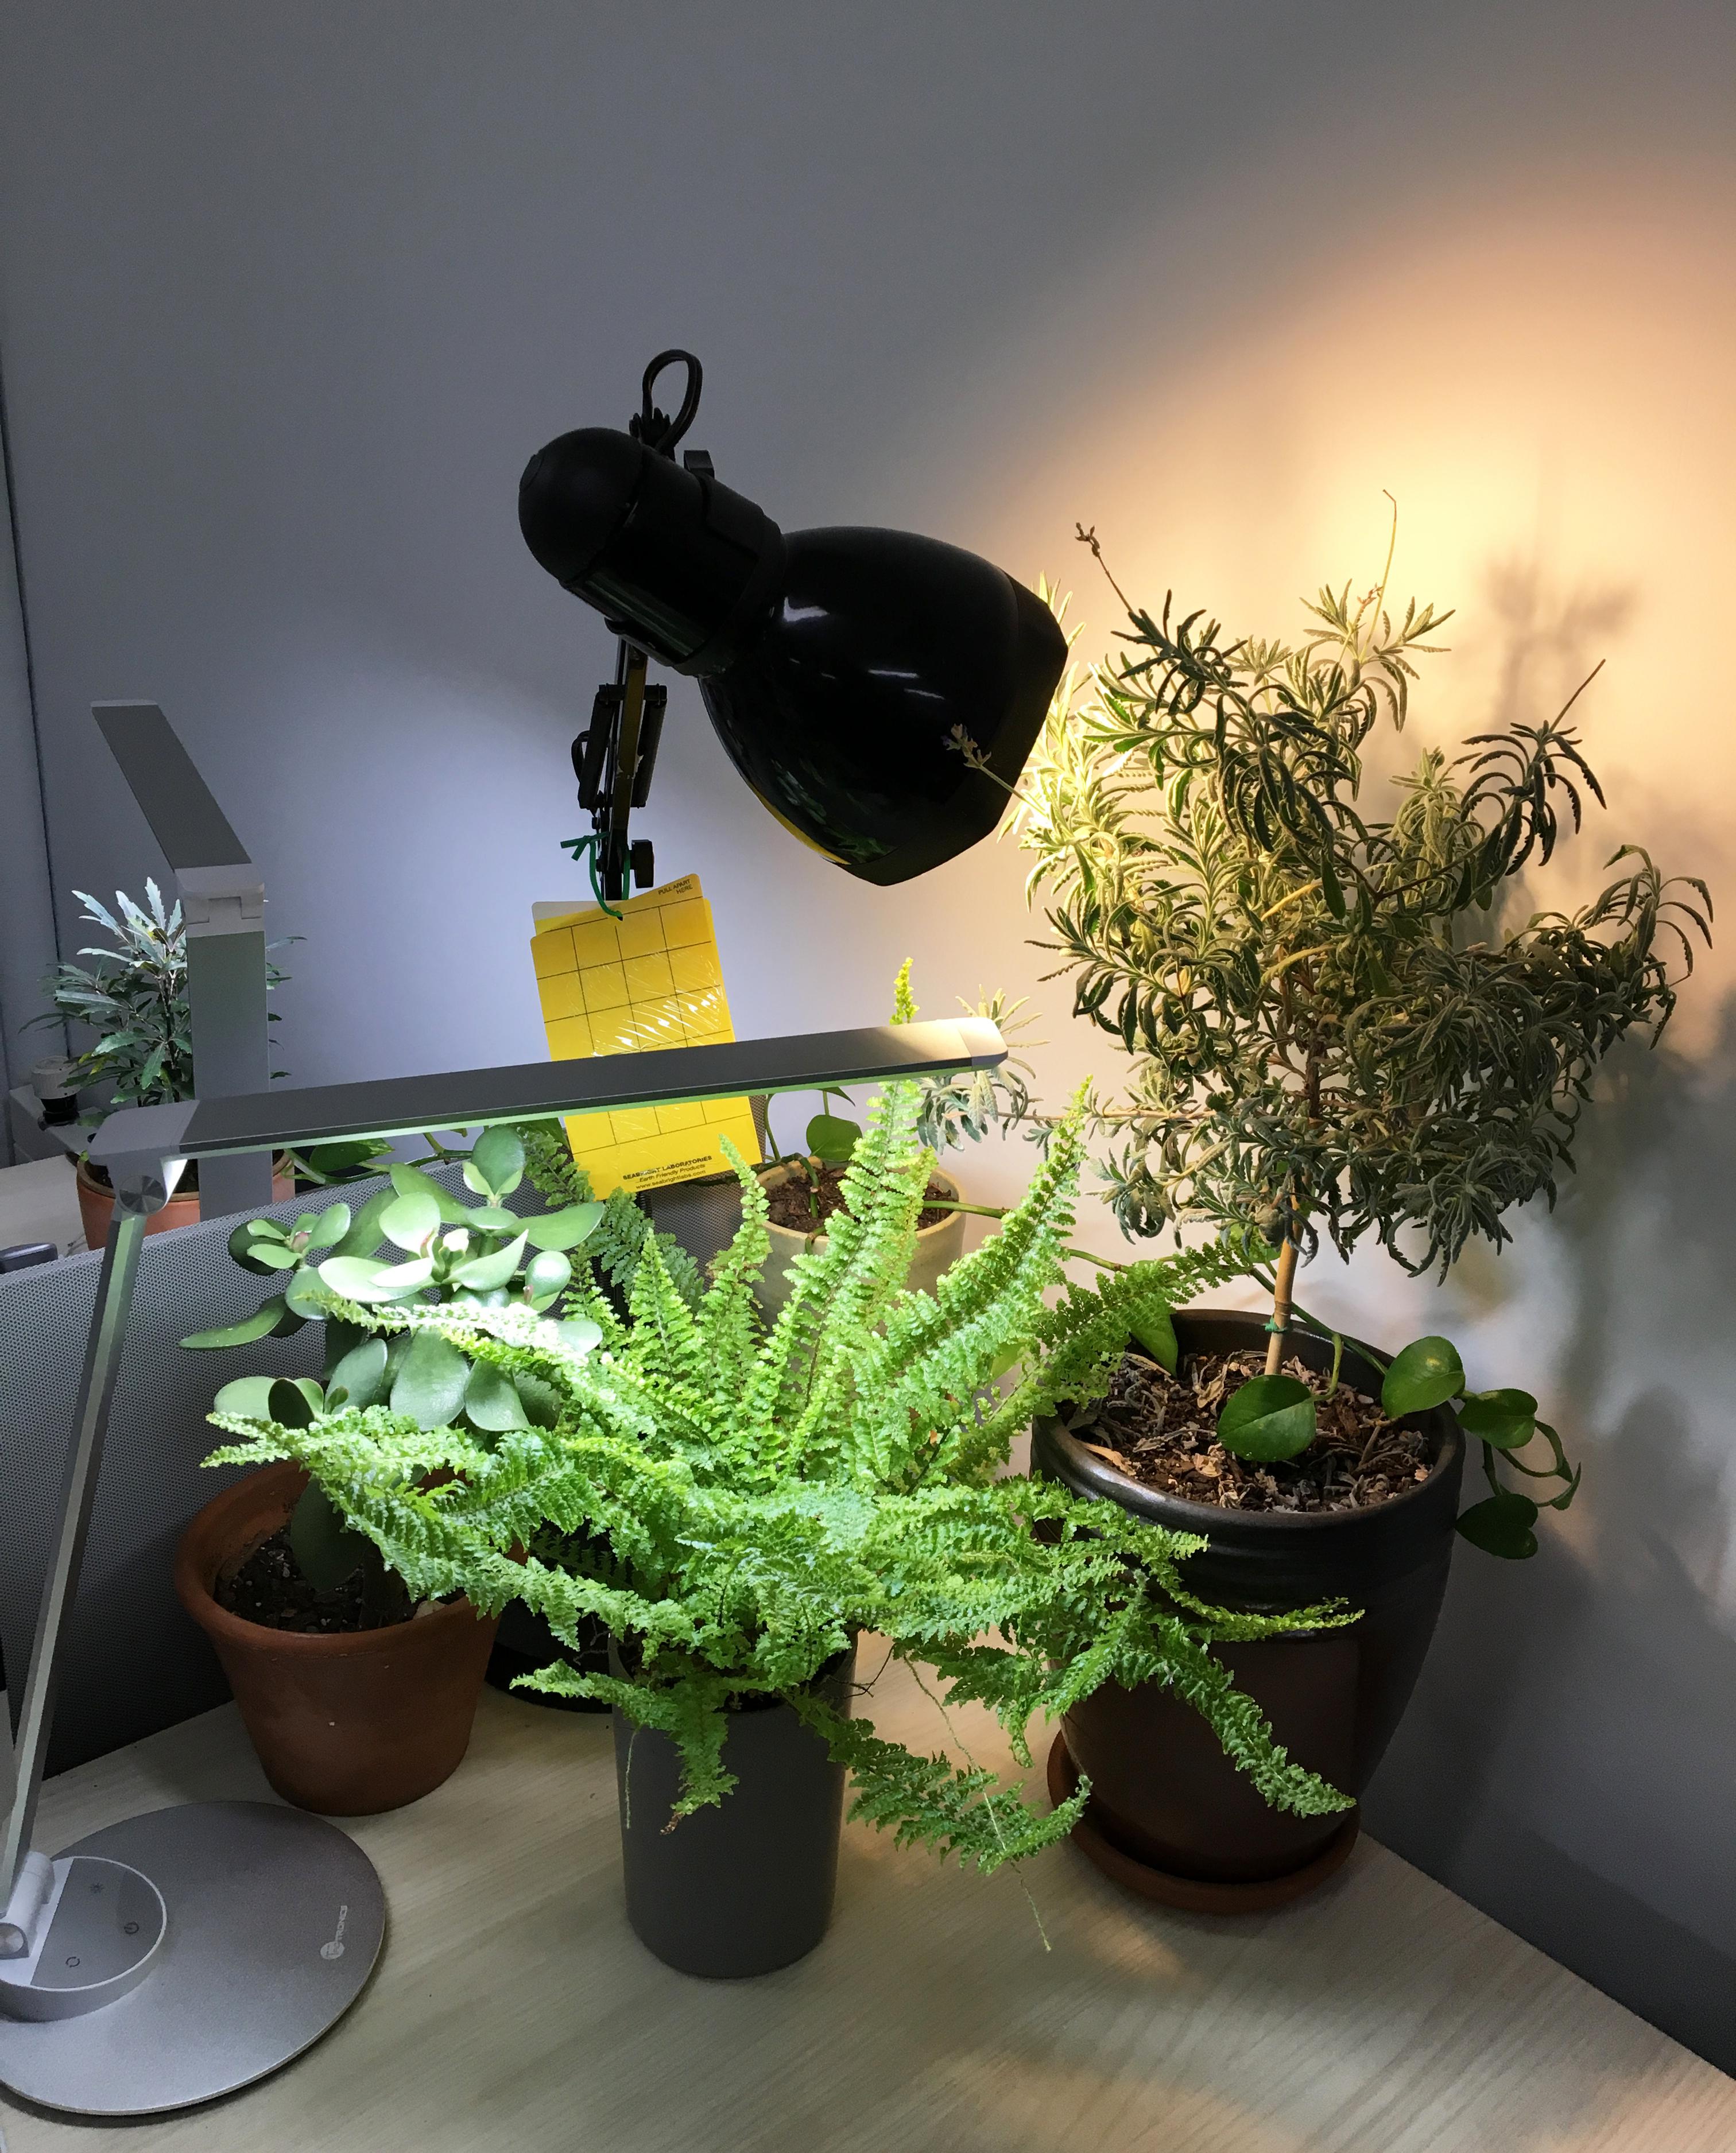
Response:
column 737, row 1504
column 1339, row 1022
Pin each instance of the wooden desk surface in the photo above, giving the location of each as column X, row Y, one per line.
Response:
column 513, row 2008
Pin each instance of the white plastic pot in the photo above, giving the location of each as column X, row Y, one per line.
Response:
column 937, row 1247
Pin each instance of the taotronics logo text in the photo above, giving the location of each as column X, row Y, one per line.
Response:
column 334, row 1949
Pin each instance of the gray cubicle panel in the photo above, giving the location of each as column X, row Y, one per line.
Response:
column 135, row 1663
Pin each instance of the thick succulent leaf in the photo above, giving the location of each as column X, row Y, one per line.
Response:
column 411, row 1181
column 359, row 1378
column 365, row 1232
column 249, row 1398
column 249, row 1240
column 483, row 1272
column 326, row 1549
column 295, row 1401
column 429, row 1388
column 495, row 1165
column 491, row 1401
column 548, row 1273
column 264, row 1320
column 411, row 1221
column 361, row 1279
column 563, row 1229
column 330, row 1227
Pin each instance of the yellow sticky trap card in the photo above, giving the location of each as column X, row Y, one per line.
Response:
column 630, row 985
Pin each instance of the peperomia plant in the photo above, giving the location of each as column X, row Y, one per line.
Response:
column 469, row 1256
column 1338, row 1022
column 738, row 1503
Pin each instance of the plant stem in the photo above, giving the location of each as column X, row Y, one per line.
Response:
column 1282, row 1292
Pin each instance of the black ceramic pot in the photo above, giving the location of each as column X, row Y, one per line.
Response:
column 1169, row 1814
column 746, row 1886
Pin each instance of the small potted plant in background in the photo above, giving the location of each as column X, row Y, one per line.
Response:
column 739, row 1504
column 804, row 1189
column 134, row 995
column 357, row 1690
column 1340, row 1025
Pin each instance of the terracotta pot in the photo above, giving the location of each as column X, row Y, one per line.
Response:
column 937, row 1247
column 96, row 1204
column 1169, row 1815
column 345, row 1725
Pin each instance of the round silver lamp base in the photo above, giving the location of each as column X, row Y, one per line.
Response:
column 275, row 1920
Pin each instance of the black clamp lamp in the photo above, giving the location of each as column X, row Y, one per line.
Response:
column 846, row 670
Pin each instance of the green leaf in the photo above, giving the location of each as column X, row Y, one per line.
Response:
column 263, row 1321
column 301, row 1293
column 247, row 1395
column 330, row 1227
column 563, row 1229
column 365, row 1234
column 411, row 1221
column 352, row 1276
column 326, row 1549
column 495, row 1165
column 831, row 1139
column 249, row 1241
column 1507, row 1419
column 579, row 1334
column 1155, row 1334
column 491, row 1401
column 492, row 1218
column 430, row 1386
column 360, row 1375
column 548, row 1273
column 294, row 1400
column 411, row 1181
column 1502, row 1525
column 1426, row 1373
column 1270, row 1418
column 541, row 1400
column 362, row 1279
column 268, row 1256
column 482, row 1272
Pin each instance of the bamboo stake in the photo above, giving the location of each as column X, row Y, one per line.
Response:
column 1282, row 1290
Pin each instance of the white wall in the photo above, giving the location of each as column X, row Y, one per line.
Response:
column 289, row 294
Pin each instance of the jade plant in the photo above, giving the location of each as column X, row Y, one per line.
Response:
column 445, row 1253
column 1338, row 1021
column 736, row 1504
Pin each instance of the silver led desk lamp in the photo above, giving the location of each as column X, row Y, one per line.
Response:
column 179, row 1955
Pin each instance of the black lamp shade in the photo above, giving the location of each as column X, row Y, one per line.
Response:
column 838, row 666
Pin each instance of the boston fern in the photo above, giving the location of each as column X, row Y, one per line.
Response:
column 737, row 1504
column 1338, row 1021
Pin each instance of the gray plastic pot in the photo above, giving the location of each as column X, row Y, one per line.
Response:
column 747, row 1886
column 937, row 1247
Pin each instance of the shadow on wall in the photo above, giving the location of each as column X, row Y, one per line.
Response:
column 1567, row 1762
